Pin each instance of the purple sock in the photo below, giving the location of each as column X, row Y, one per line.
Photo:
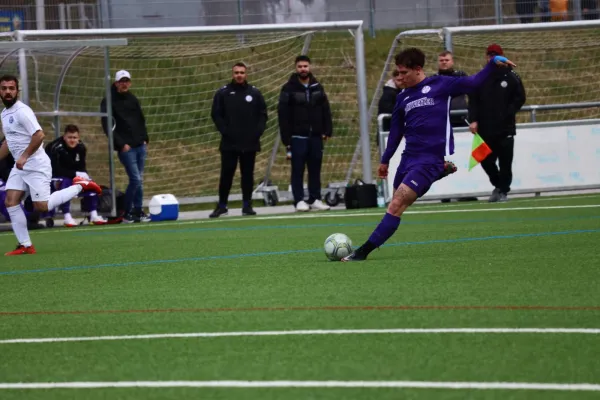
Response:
column 66, row 207
column 386, row 228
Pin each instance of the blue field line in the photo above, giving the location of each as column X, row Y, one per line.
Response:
column 288, row 252
column 331, row 225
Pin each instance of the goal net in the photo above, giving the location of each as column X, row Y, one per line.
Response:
column 175, row 76
column 559, row 63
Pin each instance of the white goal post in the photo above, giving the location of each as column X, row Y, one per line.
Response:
column 175, row 72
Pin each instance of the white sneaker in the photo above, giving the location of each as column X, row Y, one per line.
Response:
column 98, row 221
column 319, row 205
column 70, row 223
column 302, row 206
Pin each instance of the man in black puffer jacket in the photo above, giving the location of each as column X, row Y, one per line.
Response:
column 304, row 124
column 131, row 140
column 68, row 156
column 492, row 113
column 239, row 112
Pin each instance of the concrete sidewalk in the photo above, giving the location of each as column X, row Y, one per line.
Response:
column 289, row 209
column 203, row 214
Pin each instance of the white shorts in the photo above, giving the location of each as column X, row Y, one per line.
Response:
column 35, row 183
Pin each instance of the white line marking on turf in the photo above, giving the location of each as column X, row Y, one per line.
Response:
column 335, row 214
column 589, row 387
column 592, row 331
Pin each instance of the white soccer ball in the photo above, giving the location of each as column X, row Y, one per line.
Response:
column 337, row 246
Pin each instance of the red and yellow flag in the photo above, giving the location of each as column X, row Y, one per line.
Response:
column 479, row 151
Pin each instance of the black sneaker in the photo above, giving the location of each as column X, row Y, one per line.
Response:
column 218, row 212
column 129, row 218
column 449, row 169
column 357, row 255
column 143, row 217
column 248, row 211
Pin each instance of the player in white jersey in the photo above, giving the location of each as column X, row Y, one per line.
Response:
column 32, row 172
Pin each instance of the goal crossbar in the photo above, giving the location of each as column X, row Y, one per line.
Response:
column 303, row 26
column 539, row 26
column 62, row 44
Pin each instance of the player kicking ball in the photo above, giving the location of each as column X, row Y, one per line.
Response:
column 32, row 172
column 421, row 116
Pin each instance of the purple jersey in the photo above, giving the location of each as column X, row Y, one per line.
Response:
column 422, row 116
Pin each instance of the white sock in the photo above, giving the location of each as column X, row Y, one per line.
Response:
column 93, row 214
column 68, row 217
column 62, row 196
column 19, row 225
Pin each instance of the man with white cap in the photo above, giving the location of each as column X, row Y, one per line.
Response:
column 130, row 141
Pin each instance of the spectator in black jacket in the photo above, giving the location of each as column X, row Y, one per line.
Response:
column 446, row 67
column 131, row 141
column 68, row 157
column 239, row 112
column 492, row 113
column 387, row 101
column 304, row 124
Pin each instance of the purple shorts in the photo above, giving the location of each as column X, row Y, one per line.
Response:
column 418, row 175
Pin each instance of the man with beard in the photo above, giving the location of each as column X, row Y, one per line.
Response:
column 130, row 138
column 240, row 115
column 305, row 124
column 492, row 113
column 32, row 172
column 446, row 67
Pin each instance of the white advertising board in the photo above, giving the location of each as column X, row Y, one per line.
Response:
column 544, row 158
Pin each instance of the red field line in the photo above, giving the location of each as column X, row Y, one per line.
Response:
column 312, row 308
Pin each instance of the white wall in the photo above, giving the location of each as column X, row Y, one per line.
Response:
column 390, row 14
column 545, row 158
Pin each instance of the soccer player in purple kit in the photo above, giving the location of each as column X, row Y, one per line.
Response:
column 421, row 116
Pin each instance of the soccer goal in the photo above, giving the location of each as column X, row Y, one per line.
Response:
column 13, row 60
column 175, row 73
column 559, row 61
column 558, row 127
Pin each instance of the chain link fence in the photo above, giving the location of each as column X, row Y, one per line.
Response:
column 377, row 14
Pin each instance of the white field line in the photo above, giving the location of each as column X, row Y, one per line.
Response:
column 436, row 210
column 309, row 384
column 592, row 331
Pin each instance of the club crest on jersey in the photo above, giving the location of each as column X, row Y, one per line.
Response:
column 426, row 89
column 11, row 119
column 248, row 98
column 504, row 84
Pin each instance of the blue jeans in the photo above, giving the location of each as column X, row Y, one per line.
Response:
column 133, row 161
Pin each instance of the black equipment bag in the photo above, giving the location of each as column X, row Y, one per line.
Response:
column 361, row 195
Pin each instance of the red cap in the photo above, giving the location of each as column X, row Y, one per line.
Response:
column 494, row 48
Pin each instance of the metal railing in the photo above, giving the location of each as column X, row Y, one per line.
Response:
column 533, row 109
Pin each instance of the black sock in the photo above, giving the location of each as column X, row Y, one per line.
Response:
column 368, row 247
